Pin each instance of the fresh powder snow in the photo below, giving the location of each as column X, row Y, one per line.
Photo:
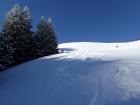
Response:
column 86, row 73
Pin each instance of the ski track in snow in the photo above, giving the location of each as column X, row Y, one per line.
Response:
column 93, row 100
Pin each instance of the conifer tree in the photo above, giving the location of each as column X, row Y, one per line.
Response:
column 18, row 35
column 41, row 37
column 45, row 38
column 52, row 40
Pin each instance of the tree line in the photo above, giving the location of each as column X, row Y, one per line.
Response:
column 18, row 43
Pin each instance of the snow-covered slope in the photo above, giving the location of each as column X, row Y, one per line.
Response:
column 87, row 73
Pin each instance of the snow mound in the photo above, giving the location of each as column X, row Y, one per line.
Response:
column 87, row 73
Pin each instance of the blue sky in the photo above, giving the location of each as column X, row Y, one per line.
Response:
column 86, row 20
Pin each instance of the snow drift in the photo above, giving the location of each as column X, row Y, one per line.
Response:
column 86, row 73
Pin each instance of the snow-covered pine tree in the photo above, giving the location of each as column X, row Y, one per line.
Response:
column 46, row 42
column 27, row 17
column 18, row 35
column 52, row 40
column 41, row 38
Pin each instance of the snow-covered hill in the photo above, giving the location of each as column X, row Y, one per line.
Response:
column 86, row 73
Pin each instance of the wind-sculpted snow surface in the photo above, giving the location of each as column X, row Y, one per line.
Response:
column 85, row 74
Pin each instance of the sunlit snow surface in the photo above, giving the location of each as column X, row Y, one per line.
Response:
column 86, row 73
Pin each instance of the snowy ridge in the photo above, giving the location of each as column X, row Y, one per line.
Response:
column 102, row 50
column 87, row 73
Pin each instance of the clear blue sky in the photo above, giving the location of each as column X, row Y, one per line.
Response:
column 86, row 20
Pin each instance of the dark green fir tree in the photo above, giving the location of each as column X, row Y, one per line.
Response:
column 46, row 41
column 18, row 35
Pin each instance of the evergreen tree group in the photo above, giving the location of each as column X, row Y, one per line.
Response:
column 18, row 43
